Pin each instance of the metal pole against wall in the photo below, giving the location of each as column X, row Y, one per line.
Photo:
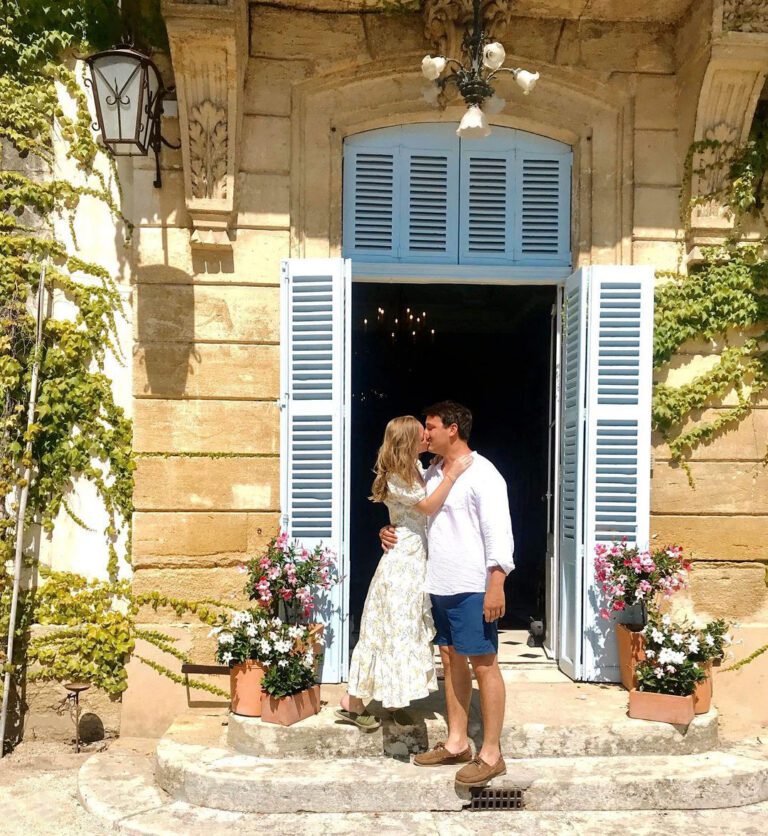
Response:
column 22, row 508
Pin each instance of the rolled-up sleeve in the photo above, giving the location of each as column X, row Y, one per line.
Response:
column 495, row 522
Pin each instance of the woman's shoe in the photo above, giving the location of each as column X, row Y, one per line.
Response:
column 365, row 722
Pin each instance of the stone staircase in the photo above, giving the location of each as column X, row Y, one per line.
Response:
column 586, row 755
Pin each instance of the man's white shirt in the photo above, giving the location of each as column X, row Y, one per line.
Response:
column 471, row 533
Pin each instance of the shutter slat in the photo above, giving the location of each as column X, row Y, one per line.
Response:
column 312, row 461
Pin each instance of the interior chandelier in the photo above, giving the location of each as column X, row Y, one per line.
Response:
column 484, row 59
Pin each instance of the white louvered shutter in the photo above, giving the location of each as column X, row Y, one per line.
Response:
column 618, row 435
column 542, row 206
column 487, row 189
column 572, row 454
column 314, row 383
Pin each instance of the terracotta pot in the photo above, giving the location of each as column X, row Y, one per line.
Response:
column 664, row 708
column 702, row 696
column 631, row 645
column 245, row 688
column 289, row 710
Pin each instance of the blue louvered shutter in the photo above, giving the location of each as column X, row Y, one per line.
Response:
column 542, row 203
column 315, row 397
column 487, row 187
column 429, row 176
column 572, row 454
column 619, row 382
column 371, row 194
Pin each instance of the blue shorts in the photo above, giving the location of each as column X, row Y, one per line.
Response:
column 460, row 624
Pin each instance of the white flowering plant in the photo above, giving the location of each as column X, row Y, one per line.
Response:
column 676, row 654
column 238, row 635
column 250, row 635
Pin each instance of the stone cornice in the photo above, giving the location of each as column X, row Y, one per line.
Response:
column 209, row 50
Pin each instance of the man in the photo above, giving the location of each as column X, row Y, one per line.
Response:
column 470, row 552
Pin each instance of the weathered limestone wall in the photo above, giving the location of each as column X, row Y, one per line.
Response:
column 206, row 361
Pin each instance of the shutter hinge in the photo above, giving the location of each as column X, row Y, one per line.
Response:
column 282, row 403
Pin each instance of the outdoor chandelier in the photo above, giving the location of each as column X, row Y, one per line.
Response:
column 128, row 93
column 484, row 60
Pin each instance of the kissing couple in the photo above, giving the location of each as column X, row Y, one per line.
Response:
column 447, row 550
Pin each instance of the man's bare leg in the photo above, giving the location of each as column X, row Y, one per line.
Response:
column 458, row 695
column 492, row 700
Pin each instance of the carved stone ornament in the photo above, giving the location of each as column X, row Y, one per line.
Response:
column 208, row 150
column 446, row 20
column 209, row 50
column 745, row 15
column 712, row 165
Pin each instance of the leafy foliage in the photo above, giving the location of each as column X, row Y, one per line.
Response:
column 726, row 295
column 86, row 630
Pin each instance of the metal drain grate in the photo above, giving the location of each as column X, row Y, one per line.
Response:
column 487, row 799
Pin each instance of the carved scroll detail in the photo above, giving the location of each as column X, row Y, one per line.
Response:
column 446, row 20
column 745, row 15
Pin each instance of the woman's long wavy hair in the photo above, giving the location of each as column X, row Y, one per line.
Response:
column 397, row 455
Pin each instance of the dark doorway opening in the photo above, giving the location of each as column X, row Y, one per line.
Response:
column 486, row 346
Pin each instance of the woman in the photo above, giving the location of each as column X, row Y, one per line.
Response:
column 393, row 661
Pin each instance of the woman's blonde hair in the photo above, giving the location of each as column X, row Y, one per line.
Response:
column 396, row 455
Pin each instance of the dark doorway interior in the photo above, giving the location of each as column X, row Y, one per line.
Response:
column 489, row 348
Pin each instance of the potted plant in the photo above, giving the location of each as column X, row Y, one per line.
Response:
column 290, row 685
column 633, row 581
column 285, row 579
column 708, row 648
column 667, row 678
column 239, row 644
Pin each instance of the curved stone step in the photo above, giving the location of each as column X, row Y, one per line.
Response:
column 324, row 736
column 220, row 778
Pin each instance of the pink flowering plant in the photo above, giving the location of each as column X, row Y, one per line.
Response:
column 287, row 577
column 628, row 575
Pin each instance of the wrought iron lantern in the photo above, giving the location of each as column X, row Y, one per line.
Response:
column 128, row 93
column 473, row 77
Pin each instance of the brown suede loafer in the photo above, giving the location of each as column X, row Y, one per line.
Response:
column 440, row 756
column 477, row 773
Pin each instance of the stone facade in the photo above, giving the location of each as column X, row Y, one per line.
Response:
column 268, row 114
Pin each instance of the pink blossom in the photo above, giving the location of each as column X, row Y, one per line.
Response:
column 604, row 613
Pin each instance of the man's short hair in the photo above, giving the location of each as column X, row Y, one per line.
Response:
column 450, row 412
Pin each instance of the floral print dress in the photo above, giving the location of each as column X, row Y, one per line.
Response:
column 393, row 661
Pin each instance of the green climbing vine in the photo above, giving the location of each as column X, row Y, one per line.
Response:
column 68, row 627
column 723, row 300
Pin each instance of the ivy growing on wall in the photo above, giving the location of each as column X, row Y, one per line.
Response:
column 69, row 627
column 723, row 301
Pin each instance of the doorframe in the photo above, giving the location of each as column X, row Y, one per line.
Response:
column 363, row 272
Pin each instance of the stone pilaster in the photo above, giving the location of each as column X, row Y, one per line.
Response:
column 733, row 80
column 209, row 49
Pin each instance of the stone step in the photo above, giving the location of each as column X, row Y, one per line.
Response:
column 324, row 736
column 223, row 779
column 119, row 790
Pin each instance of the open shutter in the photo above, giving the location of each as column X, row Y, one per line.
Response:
column 314, row 344
column 487, row 188
column 618, row 436
column 572, row 453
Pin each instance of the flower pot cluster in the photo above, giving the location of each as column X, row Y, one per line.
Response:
column 666, row 665
column 273, row 649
